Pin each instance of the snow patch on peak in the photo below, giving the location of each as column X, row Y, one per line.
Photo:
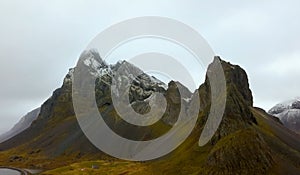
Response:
column 98, row 67
column 92, row 59
column 279, row 108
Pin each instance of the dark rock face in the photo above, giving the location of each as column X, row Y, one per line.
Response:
column 237, row 148
column 236, row 76
column 238, row 100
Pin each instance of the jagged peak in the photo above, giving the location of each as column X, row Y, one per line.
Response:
column 98, row 67
column 237, row 114
column 93, row 59
column 235, row 76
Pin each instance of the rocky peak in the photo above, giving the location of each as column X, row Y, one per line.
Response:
column 93, row 59
column 237, row 76
column 125, row 74
column 237, row 114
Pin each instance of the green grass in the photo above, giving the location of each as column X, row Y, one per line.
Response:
column 105, row 168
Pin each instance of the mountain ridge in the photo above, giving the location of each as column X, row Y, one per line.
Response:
column 248, row 140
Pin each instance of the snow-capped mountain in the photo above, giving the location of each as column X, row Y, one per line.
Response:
column 289, row 114
column 123, row 76
column 142, row 86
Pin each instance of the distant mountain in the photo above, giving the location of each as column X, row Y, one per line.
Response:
column 248, row 141
column 23, row 124
column 289, row 114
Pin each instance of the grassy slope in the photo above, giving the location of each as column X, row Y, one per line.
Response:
column 244, row 148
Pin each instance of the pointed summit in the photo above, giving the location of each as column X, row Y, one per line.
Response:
column 93, row 59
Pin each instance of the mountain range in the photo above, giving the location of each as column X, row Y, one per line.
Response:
column 248, row 140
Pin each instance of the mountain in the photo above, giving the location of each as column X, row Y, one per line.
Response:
column 248, row 141
column 23, row 124
column 289, row 114
column 56, row 133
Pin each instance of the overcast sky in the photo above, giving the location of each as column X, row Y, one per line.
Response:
column 40, row 40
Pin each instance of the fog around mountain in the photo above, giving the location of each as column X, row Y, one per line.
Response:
column 22, row 124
